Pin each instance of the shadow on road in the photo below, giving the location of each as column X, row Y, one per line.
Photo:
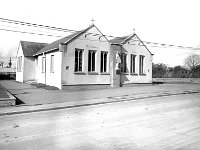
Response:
column 18, row 101
column 157, row 82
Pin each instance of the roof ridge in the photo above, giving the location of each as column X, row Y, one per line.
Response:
column 64, row 40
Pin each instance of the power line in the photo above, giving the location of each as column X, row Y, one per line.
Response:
column 169, row 45
column 161, row 44
column 35, row 25
column 70, row 30
column 50, row 27
column 27, row 29
column 29, row 32
column 43, row 34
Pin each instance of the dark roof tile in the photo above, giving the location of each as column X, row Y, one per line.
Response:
column 118, row 40
column 55, row 45
column 31, row 48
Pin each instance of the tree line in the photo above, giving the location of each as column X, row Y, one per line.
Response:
column 191, row 69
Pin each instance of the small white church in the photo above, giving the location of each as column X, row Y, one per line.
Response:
column 85, row 59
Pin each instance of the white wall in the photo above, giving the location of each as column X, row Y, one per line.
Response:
column 54, row 78
column 19, row 75
column 29, row 72
column 69, row 77
column 136, row 49
column 47, row 77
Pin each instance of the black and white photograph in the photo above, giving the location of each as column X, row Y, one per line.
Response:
column 99, row 75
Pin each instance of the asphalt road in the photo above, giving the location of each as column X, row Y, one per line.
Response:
column 171, row 122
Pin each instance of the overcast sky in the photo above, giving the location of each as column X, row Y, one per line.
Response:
column 163, row 21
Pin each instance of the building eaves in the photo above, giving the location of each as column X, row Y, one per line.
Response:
column 144, row 45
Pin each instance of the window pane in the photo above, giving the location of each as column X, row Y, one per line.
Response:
column 125, row 63
column 43, row 64
column 20, row 60
column 141, row 67
column 102, row 61
column 89, row 61
column 52, row 64
column 93, row 61
column 80, row 60
column 105, row 62
column 133, row 63
column 18, row 64
column 142, row 64
column 122, row 62
column 76, row 60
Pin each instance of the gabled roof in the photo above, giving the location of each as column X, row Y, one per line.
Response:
column 65, row 40
column 31, row 48
column 55, row 45
column 122, row 40
column 118, row 40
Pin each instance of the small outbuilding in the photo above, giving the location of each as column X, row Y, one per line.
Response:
column 25, row 64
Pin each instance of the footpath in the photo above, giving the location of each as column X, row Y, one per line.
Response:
column 33, row 99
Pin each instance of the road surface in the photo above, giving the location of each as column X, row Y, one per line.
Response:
column 171, row 122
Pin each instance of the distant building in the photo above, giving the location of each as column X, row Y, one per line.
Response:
column 85, row 59
column 4, row 65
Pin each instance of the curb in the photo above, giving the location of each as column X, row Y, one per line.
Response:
column 108, row 100
column 10, row 101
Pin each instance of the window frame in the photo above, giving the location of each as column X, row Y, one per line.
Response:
column 19, row 64
column 43, row 64
column 124, row 63
column 78, row 66
column 133, row 64
column 92, row 60
column 141, row 65
column 52, row 64
column 104, row 62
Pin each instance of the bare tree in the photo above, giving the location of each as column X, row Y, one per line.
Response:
column 192, row 60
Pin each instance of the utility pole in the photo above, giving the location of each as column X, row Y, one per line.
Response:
column 10, row 63
column 1, row 63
